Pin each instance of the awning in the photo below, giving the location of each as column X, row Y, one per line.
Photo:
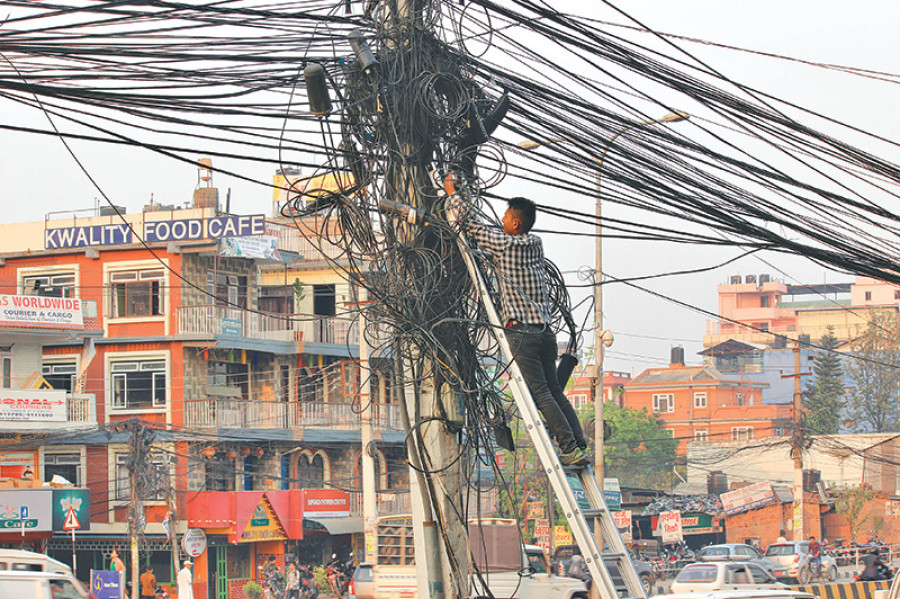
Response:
column 336, row 526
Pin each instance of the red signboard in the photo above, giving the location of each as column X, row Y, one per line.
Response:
column 326, row 503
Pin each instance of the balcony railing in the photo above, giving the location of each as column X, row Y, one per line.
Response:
column 253, row 414
column 224, row 320
column 390, row 503
column 310, row 250
column 81, row 408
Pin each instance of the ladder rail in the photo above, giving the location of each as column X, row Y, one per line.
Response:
column 549, row 459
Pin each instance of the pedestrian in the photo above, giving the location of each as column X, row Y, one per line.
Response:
column 526, row 315
column 577, row 567
column 185, row 581
column 292, row 582
column 115, row 562
column 815, row 557
column 781, row 537
column 148, row 583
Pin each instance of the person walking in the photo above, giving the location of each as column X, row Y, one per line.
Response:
column 185, row 581
column 526, row 313
column 292, row 582
column 148, row 583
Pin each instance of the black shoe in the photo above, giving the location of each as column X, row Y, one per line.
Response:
column 576, row 457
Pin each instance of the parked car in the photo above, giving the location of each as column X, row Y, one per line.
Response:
column 792, row 562
column 748, row 594
column 717, row 576
column 560, row 560
column 737, row 552
column 23, row 584
column 21, row 560
column 362, row 583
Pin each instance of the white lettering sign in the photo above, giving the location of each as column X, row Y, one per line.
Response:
column 42, row 312
column 33, row 405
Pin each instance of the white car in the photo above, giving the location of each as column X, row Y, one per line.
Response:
column 792, row 562
column 40, row 585
column 718, row 576
column 754, row 594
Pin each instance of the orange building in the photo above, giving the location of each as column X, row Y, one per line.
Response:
column 699, row 403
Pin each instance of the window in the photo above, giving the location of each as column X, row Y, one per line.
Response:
column 138, row 384
column 219, row 474
column 579, row 400
column 157, row 480
column 740, row 399
column 310, row 472
column 741, row 433
column 228, row 379
column 229, row 289
column 66, row 465
column 663, row 402
column 764, row 301
column 699, row 400
column 61, row 375
column 868, row 295
column 897, row 294
column 701, row 435
column 58, row 285
column 136, row 292
column 324, row 300
column 5, row 371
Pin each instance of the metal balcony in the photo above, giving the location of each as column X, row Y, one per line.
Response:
column 254, row 414
column 224, row 321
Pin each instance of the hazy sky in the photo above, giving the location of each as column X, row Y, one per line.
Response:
column 38, row 176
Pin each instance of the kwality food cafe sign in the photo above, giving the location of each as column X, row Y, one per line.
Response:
column 184, row 229
column 41, row 312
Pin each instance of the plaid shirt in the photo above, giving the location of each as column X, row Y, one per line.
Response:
column 521, row 273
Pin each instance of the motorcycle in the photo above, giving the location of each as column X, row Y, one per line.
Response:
column 337, row 578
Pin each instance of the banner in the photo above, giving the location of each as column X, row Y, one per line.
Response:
column 747, row 498
column 670, row 526
column 622, row 520
column 325, row 503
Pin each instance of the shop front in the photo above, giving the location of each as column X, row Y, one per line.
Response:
column 248, row 530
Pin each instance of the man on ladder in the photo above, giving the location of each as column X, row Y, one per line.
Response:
column 525, row 309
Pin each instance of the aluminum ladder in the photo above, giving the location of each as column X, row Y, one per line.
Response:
column 561, row 477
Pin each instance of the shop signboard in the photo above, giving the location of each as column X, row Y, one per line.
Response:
column 670, row 526
column 747, row 498
column 542, row 532
column 35, row 311
column 107, row 584
column 562, row 536
column 263, row 525
column 34, row 504
column 612, row 493
column 622, row 520
column 194, row 542
column 183, row 229
column 71, row 507
column 264, row 247
column 33, row 405
column 326, row 503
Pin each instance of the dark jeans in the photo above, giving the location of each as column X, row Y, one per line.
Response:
column 534, row 347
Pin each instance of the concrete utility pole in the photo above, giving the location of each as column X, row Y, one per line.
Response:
column 370, row 503
column 797, row 448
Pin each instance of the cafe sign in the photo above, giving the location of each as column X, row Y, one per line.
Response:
column 264, row 525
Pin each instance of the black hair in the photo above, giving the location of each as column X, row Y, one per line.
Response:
column 525, row 210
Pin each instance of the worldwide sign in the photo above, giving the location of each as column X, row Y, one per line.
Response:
column 185, row 229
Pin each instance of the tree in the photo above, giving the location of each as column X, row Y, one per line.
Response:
column 876, row 374
column 824, row 397
column 639, row 452
column 849, row 502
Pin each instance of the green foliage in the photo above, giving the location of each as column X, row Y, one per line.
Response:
column 253, row 591
column 872, row 403
column 320, row 578
column 639, row 452
column 299, row 291
column 849, row 502
column 824, row 397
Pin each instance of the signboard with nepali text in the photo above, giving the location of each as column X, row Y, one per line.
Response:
column 622, row 520
column 670, row 526
column 747, row 498
column 33, row 405
column 35, row 311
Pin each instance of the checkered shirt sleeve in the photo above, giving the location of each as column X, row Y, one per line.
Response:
column 521, row 272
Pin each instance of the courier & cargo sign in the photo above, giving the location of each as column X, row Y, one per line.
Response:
column 43, row 312
column 156, row 231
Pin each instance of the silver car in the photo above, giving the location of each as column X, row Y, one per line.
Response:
column 362, row 584
column 735, row 552
column 792, row 562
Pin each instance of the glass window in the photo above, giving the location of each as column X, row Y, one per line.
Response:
column 156, row 480
column 697, row 574
column 138, row 384
column 699, row 400
column 759, row 575
column 6, row 372
column 61, row 375
column 701, row 434
column 58, row 285
column 66, row 465
column 663, row 403
column 741, row 433
column 64, row 589
column 136, row 292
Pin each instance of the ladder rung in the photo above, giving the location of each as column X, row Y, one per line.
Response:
column 614, row 555
column 592, row 512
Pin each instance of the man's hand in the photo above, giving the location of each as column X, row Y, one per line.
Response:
column 453, row 200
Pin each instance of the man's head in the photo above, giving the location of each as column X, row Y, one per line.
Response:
column 519, row 217
column 148, row 569
column 188, row 563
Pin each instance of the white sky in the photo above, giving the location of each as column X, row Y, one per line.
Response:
column 37, row 174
